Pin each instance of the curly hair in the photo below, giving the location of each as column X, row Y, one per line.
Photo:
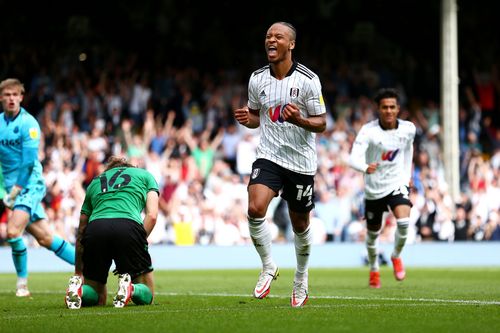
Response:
column 386, row 93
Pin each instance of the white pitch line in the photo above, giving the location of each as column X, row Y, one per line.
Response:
column 429, row 300
column 358, row 298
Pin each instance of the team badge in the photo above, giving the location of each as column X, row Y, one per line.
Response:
column 255, row 173
column 294, row 92
column 33, row 133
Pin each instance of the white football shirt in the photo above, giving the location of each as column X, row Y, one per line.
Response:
column 392, row 149
column 281, row 142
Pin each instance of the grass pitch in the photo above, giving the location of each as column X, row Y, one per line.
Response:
column 429, row 300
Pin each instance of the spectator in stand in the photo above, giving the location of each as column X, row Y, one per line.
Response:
column 230, row 141
column 140, row 99
column 203, row 148
column 461, row 222
column 246, row 153
column 492, row 229
column 325, row 212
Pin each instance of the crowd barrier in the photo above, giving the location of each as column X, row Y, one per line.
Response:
column 330, row 255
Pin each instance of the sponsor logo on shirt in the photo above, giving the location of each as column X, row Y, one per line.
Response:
column 275, row 114
column 389, row 155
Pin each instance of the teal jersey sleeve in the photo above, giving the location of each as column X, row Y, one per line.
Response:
column 19, row 144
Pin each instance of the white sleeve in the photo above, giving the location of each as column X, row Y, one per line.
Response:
column 315, row 103
column 253, row 95
column 357, row 158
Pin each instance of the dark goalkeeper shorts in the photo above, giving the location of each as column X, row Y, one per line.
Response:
column 297, row 189
column 120, row 240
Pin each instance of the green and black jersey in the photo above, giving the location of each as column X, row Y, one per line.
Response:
column 119, row 193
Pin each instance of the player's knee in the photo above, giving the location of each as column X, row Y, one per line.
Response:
column 254, row 210
column 45, row 241
column 299, row 227
column 13, row 233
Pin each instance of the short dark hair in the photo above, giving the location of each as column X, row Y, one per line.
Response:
column 386, row 93
column 289, row 26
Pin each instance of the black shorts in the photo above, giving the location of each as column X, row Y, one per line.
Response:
column 374, row 209
column 121, row 240
column 298, row 189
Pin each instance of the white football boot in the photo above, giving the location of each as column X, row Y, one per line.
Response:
column 73, row 297
column 264, row 283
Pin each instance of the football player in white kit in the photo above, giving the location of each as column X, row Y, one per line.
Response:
column 285, row 101
column 383, row 151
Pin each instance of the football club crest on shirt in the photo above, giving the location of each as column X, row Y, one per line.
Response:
column 294, row 92
column 255, row 173
column 33, row 133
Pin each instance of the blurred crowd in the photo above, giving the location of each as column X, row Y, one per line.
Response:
column 178, row 124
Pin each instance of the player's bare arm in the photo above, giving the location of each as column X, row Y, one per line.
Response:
column 247, row 117
column 84, row 220
column 151, row 215
column 291, row 114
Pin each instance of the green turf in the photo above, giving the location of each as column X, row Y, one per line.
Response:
column 429, row 300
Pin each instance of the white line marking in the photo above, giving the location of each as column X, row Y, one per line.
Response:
column 356, row 298
column 360, row 298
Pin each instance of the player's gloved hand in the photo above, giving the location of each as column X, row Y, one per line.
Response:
column 10, row 198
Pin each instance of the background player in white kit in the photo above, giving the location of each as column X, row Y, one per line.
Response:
column 285, row 100
column 383, row 150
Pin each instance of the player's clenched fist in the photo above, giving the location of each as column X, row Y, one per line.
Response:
column 247, row 117
column 291, row 113
column 242, row 115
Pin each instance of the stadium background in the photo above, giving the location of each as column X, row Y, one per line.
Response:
column 215, row 35
column 399, row 41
